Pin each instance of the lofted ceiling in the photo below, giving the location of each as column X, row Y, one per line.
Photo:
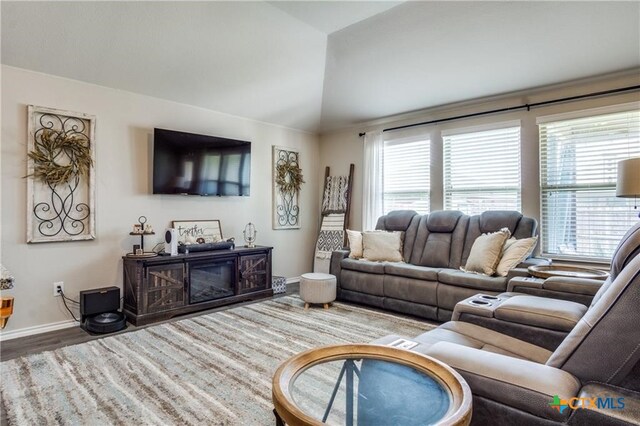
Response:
column 321, row 65
column 331, row 16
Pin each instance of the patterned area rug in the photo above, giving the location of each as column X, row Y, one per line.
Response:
column 212, row 369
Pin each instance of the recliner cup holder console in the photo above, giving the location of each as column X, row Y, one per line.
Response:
column 487, row 297
column 483, row 305
column 484, row 300
column 479, row 302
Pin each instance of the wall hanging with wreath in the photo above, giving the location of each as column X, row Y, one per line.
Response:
column 60, row 158
column 287, row 182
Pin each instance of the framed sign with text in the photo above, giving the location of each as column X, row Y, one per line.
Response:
column 198, row 231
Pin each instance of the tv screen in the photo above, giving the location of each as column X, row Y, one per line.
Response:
column 186, row 163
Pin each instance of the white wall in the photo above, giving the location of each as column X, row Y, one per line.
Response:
column 124, row 129
column 345, row 146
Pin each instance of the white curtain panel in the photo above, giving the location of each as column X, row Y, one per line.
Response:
column 372, row 191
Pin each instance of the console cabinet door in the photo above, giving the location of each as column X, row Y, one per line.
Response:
column 254, row 271
column 164, row 287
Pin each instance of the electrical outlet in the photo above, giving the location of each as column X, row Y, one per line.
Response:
column 56, row 286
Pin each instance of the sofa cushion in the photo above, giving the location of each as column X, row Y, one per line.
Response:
column 467, row 279
column 486, row 251
column 553, row 314
column 397, row 220
column 474, row 336
column 628, row 248
column 361, row 282
column 382, row 246
column 410, row 289
column 362, row 265
column 491, row 221
column 435, row 247
column 514, row 252
column 412, row 271
column 355, row 244
column 495, row 220
column 443, row 221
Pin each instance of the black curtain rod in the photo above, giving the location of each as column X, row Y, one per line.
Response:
column 516, row 108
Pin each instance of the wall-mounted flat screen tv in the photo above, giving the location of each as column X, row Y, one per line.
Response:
column 190, row 164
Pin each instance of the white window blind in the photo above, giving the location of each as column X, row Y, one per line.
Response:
column 482, row 169
column 581, row 216
column 406, row 175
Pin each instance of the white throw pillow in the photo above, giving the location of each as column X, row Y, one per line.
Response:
column 485, row 252
column 514, row 252
column 355, row 244
column 382, row 246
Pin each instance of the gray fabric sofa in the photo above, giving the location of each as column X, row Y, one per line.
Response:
column 429, row 283
column 514, row 381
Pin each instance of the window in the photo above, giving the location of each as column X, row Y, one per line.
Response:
column 581, row 216
column 406, row 175
column 482, row 168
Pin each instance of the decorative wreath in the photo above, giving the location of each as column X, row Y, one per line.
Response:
column 289, row 177
column 59, row 157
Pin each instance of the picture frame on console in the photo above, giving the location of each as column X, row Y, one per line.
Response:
column 198, row 231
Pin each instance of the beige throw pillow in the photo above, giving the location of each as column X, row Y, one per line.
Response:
column 355, row 244
column 486, row 251
column 382, row 246
column 514, row 252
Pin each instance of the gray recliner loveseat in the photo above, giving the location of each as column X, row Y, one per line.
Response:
column 429, row 283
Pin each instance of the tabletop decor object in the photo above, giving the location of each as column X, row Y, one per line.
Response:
column 198, row 231
column 60, row 175
column 287, row 183
column 250, row 235
column 142, row 229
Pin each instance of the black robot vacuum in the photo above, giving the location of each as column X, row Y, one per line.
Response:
column 99, row 310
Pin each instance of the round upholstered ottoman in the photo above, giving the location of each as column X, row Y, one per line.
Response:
column 317, row 288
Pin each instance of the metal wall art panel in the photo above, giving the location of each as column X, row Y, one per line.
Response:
column 287, row 182
column 60, row 176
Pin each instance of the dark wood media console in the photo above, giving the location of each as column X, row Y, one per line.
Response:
column 162, row 287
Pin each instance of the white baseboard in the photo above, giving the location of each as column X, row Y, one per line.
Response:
column 36, row 329
column 293, row 280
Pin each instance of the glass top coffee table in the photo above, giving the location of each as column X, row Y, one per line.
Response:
column 369, row 385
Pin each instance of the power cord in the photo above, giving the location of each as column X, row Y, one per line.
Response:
column 64, row 300
column 68, row 299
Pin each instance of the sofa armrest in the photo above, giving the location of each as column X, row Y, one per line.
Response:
column 335, row 266
column 578, row 290
column 514, row 382
column 551, row 314
column 573, row 285
column 517, row 272
column 520, row 284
